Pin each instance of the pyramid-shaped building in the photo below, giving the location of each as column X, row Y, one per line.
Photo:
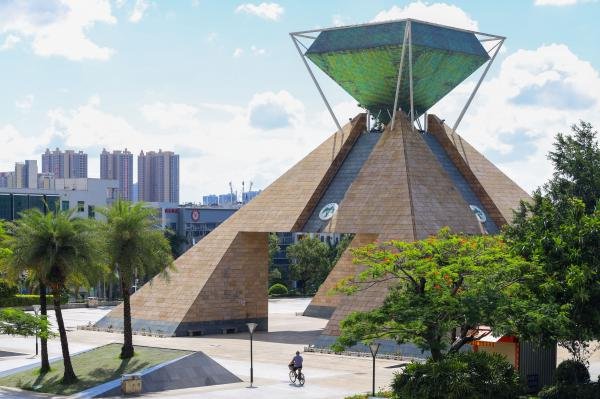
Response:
column 396, row 182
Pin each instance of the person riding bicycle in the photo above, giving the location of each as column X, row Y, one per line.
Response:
column 296, row 364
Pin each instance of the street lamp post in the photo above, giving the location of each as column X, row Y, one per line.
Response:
column 374, row 347
column 36, row 310
column 251, row 328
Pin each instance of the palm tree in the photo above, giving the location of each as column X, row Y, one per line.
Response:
column 136, row 248
column 34, row 282
column 54, row 246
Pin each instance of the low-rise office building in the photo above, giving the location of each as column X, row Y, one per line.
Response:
column 83, row 194
column 189, row 222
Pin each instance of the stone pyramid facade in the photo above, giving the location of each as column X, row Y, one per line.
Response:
column 397, row 184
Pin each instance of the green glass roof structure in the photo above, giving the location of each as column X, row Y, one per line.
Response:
column 364, row 60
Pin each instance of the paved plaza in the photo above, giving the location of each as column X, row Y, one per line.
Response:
column 327, row 376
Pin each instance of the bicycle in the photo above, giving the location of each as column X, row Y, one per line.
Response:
column 296, row 377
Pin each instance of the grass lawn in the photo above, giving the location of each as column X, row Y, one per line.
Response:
column 94, row 367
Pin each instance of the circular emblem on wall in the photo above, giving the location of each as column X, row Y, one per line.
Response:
column 328, row 211
column 195, row 215
column 479, row 214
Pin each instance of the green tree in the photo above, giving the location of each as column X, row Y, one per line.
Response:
column 175, row 242
column 560, row 229
column 53, row 246
column 136, row 248
column 576, row 161
column 310, row 262
column 4, row 250
column 442, row 289
column 274, row 272
column 17, row 322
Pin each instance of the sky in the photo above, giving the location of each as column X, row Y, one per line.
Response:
column 220, row 82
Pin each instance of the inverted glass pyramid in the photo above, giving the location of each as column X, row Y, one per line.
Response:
column 364, row 61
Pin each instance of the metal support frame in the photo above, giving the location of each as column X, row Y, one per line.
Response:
column 337, row 123
column 406, row 28
column 410, row 75
column 407, row 42
column 485, row 71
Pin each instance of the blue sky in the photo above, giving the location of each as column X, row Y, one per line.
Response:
column 221, row 83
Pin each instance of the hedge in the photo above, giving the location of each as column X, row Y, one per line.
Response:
column 27, row 300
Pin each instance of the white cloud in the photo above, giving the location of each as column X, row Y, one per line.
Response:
column 516, row 114
column 211, row 37
column 17, row 146
column 58, row 27
column 271, row 110
column 560, row 2
column 238, row 52
column 339, row 20
column 89, row 126
column 440, row 13
column 10, row 42
column 25, row 103
column 271, row 11
column 257, row 51
column 172, row 116
column 139, row 9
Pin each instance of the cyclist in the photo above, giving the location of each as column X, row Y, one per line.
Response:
column 296, row 364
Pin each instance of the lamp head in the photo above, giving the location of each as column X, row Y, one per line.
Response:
column 374, row 347
column 251, row 327
column 36, row 309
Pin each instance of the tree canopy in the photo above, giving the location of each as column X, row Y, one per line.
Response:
column 55, row 246
column 17, row 322
column 560, row 230
column 442, row 289
column 136, row 248
column 310, row 262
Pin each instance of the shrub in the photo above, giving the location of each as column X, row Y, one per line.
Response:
column 571, row 372
column 7, row 289
column 571, row 381
column 278, row 289
column 463, row 375
column 581, row 391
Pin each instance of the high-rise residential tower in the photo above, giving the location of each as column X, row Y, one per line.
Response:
column 118, row 165
column 158, row 176
column 25, row 175
column 64, row 165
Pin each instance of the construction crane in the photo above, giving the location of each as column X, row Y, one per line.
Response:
column 233, row 201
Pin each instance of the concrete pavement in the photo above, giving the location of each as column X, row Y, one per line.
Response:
column 327, row 376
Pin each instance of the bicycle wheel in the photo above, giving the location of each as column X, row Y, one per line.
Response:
column 301, row 379
column 292, row 376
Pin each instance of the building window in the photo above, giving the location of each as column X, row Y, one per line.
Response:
column 64, row 205
column 80, row 206
column 91, row 212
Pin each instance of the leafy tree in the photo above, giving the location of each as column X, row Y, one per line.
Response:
column 54, row 246
column 560, row 229
column 17, row 322
column 310, row 262
column 136, row 247
column 342, row 245
column 4, row 250
column 175, row 242
column 442, row 289
column 273, row 247
column 275, row 276
column 576, row 161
